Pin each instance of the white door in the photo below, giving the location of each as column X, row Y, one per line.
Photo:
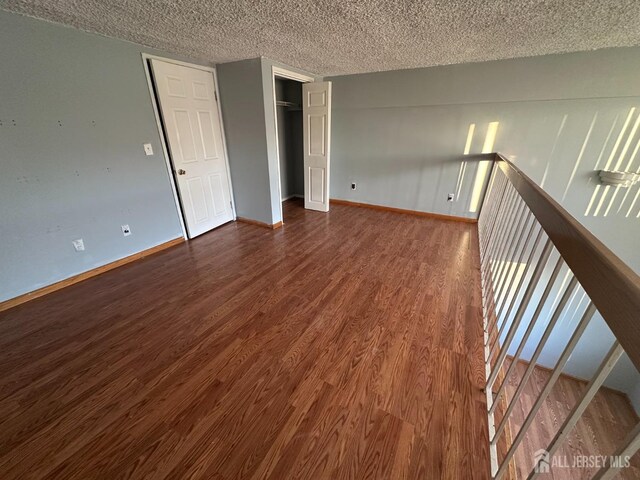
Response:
column 316, row 110
column 190, row 114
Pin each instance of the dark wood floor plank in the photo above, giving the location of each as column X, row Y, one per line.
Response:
column 600, row 431
column 343, row 345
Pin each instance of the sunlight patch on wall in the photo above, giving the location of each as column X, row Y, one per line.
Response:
column 605, row 192
column 593, row 197
column 633, row 155
column 635, row 199
column 627, row 144
column 628, row 168
column 483, row 167
column 613, row 198
column 624, row 200
column 463, row 166
column 625, row 149
column 577, row 164
column 606, row 142
column 467, row 146
column 463, row 169
column 553, row 149
column 619, row 139
column 628, row 135
column 490, row 139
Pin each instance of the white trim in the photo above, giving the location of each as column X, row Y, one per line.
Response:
column 145, row 61
column 277, row 72
column 291, row 75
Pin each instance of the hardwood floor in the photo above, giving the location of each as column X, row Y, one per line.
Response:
column 343, row 345
column 600, row 431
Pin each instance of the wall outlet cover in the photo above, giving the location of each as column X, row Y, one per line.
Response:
column 78, row 245
column 450, row 197
column 148, row 149
column 353, row 186
column 126, row 231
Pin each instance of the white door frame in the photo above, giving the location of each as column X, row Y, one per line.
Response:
column 277, row 72
column 165, row 151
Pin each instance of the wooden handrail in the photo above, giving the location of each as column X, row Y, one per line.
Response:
column 611, row 284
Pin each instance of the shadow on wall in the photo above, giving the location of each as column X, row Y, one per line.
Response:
column 583, row 143
column 608, row 141
column 615, row 161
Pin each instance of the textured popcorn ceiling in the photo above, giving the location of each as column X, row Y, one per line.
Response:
column 351, row 36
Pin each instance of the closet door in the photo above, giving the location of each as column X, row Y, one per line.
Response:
column 188, row 105
column 316, row 112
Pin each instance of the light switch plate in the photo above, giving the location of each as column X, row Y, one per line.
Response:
column 78, row 244
column 148, row 149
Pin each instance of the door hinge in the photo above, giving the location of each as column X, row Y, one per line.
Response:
column 215, row 94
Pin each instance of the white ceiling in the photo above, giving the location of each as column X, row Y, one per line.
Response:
column 351, row 36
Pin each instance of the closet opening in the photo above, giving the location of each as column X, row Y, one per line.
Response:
column 288, row 95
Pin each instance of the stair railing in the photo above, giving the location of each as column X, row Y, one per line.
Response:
column 526, row 240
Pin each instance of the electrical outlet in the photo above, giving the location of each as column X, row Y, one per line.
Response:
column 353, row 186
column 126, row 231
column 148, row 149
column 450, row 197
column 78, row 245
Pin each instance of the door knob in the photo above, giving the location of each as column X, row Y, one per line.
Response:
column 181, row 172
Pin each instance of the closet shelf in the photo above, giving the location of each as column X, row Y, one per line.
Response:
column 282, row 103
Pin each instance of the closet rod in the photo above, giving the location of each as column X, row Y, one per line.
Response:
column 282, row 103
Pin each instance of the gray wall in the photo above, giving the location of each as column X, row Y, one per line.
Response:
column 400, row 135
column 249, row 115
column 75, row 113
column 243, row 114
